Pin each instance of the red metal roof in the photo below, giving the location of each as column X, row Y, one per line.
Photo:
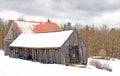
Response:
column 35, row 27
column 46, row 27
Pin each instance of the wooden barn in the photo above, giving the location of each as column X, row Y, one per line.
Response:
column 62, row 47
column 26, row 27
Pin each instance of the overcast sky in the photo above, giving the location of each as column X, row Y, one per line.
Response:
column 96, row 12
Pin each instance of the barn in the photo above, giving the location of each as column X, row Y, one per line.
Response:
column 61, row 47
column 26, row 27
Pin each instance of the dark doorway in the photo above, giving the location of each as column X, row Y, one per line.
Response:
column 74, row 54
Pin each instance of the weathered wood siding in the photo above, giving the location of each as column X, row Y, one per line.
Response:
column 41, row 55
column 12, row 34
column 83, row 49
column 73, row 41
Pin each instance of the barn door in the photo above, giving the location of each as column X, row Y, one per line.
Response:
column 74, row 54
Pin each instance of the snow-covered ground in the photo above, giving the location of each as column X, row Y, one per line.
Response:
column 17, row 67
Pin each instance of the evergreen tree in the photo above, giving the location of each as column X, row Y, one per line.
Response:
column 48, row 20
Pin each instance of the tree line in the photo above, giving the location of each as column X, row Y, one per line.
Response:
column 96, row 39
column 4, row 27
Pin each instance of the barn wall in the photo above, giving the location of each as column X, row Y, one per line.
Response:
column 6, row 47
column 65, row 53
column 11, row 35
column 83, row 49
column 72, row 41
column 75, row 40
column 50, row 56
column 46, row 55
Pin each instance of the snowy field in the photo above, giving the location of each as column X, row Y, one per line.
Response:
column 17, row 67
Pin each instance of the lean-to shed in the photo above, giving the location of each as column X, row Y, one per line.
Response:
column 62, row 47
column 26, row 27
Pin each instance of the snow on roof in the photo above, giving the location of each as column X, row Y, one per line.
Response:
column 30, row 27
column 42, row 40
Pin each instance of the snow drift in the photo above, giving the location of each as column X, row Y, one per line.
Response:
column 17, row 67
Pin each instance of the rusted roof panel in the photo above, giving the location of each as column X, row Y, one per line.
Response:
column 35, row 27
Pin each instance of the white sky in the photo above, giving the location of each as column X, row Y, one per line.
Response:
column 96, row 12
